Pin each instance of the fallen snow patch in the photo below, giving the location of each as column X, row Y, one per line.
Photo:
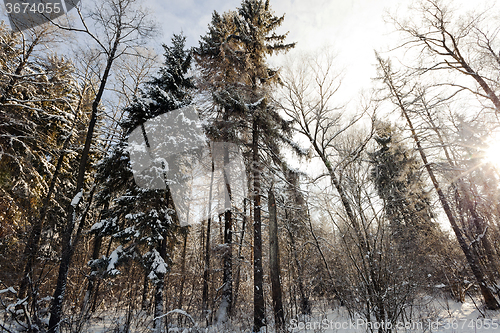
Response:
column 77, row 198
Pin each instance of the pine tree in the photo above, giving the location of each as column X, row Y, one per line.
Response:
column 216, row 58
column 233, row 55
column 143, row 220
column 397, row 176
column 220, row 77
column 396, row 173
column 255, row 30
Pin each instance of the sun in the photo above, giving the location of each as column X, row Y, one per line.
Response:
column 492, row 152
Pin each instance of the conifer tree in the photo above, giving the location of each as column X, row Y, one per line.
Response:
column 396, row 173
column 220, row 74
column 255, row 30
column 144, row 221
column 397, row 176
column 274, row 263
column 233, row 55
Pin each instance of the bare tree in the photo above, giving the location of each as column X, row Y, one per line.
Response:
column 307, row 99
column 122, row 26
column 457, row 48
column 403, row 101
column 131, row 72
column 376, row 281
column 456, row 141
column 463, row 44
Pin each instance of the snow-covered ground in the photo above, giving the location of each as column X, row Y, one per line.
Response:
column 435, row 315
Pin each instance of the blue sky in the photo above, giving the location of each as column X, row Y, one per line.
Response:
column 309, row 22
column 353, row 28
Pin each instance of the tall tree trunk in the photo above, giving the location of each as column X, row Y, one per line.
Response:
column 206, row 269
column 473, row 261
column 464, row 196
column 183, row 276
column 481, row 236
column 293, row 217
column 305, row 306
column 227, row 279
column 91, row 286
column 258, row 274
column 87, row 300
column 68, row 251
column 145, row 292
column 96, row 249
column 68, row 244
column 183, row 271
column 159, row 291
column 242, row 236
column 274, row 264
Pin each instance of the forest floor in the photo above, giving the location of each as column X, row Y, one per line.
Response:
column 434, row 315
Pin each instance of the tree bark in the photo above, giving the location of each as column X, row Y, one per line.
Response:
column 293, row 218
column 206, row 270
column 258, row 275
column 87, row 300
column 274, row 264
column 183, row 271
column 227, row 279
column 242, row 236
column 145, row 291
column 305, row 306
column 159, row 291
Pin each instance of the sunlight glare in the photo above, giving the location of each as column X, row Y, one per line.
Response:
column 492, row 152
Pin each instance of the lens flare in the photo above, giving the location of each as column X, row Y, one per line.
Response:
column 492, row 152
